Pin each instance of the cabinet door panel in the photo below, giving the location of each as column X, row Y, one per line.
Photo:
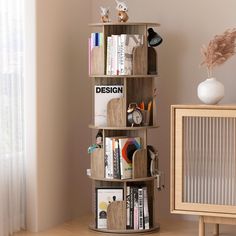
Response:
column 205, row 160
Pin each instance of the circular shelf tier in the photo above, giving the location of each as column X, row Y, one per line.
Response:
column 125, row 76
column 124, row 128
column 123, row 180
column 125, row 231
column 150, row 24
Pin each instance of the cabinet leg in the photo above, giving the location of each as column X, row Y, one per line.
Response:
column 201, row 226
column 216, row 229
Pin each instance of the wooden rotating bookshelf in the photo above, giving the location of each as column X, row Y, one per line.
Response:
column 138, row 86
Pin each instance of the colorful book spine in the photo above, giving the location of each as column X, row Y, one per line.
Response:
column 140, row 208
column 146, row 211
column 108, row 159
column 127, row 148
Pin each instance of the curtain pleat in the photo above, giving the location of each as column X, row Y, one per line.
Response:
column 12, row 157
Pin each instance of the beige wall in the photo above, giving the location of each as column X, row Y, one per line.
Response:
column 186, row 25
column 63, row 96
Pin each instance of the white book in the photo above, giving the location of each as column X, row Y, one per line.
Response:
column 145, row 206
column 114, row 54
column 140, row 208
column 108, row 158
column 102, row 95
column 109, row 46
column 122, row 54
column 118, row 55
column 129, row 42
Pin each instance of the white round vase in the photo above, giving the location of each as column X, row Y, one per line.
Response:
column 210, row 91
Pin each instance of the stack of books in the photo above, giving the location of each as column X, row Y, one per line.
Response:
column 137, row 208
column 120, row 53
column 118, row 156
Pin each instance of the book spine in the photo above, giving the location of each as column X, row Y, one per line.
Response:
column 114, row 54
column 108, row 159
column 118, row 54
column 109, row 41
column 122, row 54
column 131, row 207
column 96, row 39
column 140, row 208
column 136, row 209
column 145, row 206
column 116, row 161
column 128, row 207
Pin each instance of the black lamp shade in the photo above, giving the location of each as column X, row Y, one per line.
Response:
column 154, row 39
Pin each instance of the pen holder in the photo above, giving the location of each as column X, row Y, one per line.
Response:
column 146, row 117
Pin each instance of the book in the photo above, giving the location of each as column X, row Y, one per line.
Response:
column 131, row 207
column 104, row 196
column 128, row 43
column 136, row 208
column 102, row 95
column 108, row 158
column 128, row 207
column 114, row 60
column 140, row 208
column 109, row 47
column 127, row 148
column 116, row 158
column 145, row 209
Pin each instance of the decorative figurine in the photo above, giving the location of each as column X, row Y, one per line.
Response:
column 122, row 9
column 105, row 14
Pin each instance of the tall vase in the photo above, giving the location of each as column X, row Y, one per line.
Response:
column 210, row 91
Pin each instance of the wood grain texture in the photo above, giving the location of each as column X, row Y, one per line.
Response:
column 201, row 226
column 152, row 61
column 177, row 204
column 140, row 60
column 97, row 61
column 116, row 112
column 126, row 24
column 116, row 215
column 139, row 164
column 97, row 163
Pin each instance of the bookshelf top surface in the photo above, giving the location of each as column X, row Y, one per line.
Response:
column 124, row 76
column 126, row 24
column 124, row 128
column 124, row 180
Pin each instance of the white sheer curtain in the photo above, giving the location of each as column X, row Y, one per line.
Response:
column 12, row 177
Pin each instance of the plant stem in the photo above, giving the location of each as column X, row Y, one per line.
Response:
column 209, row 72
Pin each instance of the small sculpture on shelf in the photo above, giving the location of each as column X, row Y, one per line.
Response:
column 122, row 11
column 105, row 14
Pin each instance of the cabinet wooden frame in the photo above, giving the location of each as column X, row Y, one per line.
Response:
column 178, row 112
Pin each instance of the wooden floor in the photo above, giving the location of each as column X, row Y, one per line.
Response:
column 168, row 228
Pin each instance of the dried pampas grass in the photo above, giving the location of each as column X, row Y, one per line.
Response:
column 219, row 50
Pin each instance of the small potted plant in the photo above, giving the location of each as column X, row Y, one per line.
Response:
column 219, row 50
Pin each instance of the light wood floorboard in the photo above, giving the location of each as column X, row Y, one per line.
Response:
column 168, row 228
